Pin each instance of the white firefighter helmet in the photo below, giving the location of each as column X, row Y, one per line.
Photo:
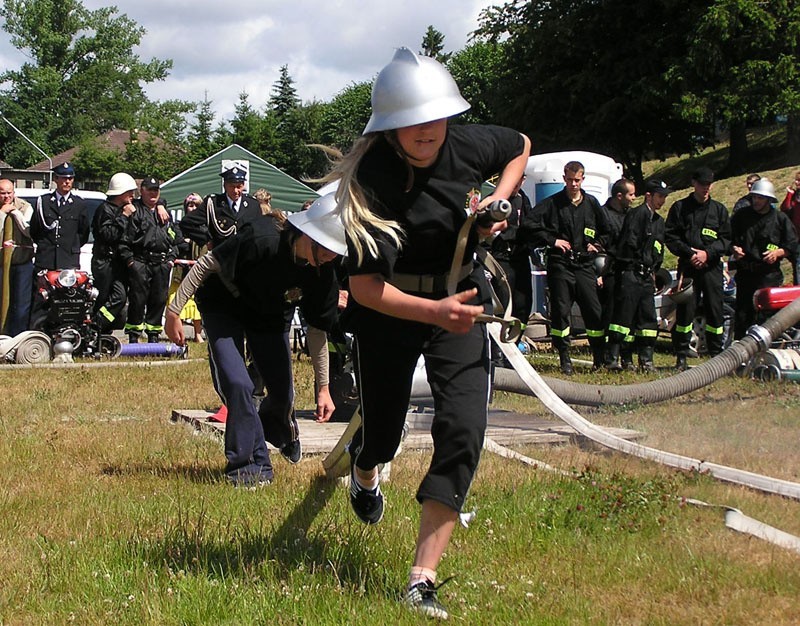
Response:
column 120, row 183
column 764, row 188
column 323, row 223
column 411, row 90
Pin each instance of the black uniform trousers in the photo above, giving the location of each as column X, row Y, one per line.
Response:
column 19, row 312
column 569, row 283
column 247, row 430
column 110, row 278
column 747, row 283
column 634, row 311
column 457, row 367
column 149, row 289
column 607, row 297
column 707, row 283
column 518, row 274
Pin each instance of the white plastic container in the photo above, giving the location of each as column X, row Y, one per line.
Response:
column 545, row 174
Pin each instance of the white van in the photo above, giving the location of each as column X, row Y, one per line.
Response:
column 93, row 200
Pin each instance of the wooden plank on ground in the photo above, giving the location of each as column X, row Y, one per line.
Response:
column 505, row 427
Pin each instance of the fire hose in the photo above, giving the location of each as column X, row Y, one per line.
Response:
column 758, row 338
column 8, row 251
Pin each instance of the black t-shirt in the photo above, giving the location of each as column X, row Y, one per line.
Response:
column 432, row 212
column 256, row 263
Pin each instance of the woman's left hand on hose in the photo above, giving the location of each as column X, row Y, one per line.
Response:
column 173, row 326
column 455, row 316
column 496, row 227
column 325, row 406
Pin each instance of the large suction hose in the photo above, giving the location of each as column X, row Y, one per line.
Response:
column 758, row 338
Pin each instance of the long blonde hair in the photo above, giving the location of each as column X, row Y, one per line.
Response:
column 359, row 221
column 264, row 198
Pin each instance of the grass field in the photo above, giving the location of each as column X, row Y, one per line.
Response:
column 112, row 514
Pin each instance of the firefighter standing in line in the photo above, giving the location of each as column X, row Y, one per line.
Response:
column 149, row 249
column 623, row 194
column 640, row 251
column 109, row 225
column 698, row 232
column 571, row 224
column 760, row 237
column 59, row 227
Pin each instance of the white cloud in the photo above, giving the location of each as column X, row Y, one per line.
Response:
column 223, row 48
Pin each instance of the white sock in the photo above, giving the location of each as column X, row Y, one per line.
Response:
column 419, row 574
column 371, row 484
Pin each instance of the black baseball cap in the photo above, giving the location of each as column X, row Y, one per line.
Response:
column 654, row 185
column 703, row 175
column 151, row 182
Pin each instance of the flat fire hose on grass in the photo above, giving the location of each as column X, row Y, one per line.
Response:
column 733, row 518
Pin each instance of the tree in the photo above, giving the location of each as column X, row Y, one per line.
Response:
column 478, row 69
column 154, row 157
column 94, row 161
column 284, row 96
column 344, row 117
column 247, row 126
column 738, row 56
column 201, row 140
column 433, row 44
column 590, row 74
column 84, row 77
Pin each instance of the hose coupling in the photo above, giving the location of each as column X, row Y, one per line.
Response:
column 760, row 335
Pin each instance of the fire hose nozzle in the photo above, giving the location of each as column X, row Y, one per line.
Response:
column 495, row 211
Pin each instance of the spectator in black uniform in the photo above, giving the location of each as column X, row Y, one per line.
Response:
column 698, row 232
column 745, row 200
column 571, row 224
column 639, row 253
column 268, row 268
column 760, row 237
column 511, row 248
column 59, row 227
column 149, row 249
column 109, row 273
column 411, row 178
column 623, row 194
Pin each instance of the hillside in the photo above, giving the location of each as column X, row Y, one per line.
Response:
column 766, row 157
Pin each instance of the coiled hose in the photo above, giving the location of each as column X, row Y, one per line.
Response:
column 758, row 338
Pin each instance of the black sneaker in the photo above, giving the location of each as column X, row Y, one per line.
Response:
column 422, row 599
column 367, row 503
column 292, row 452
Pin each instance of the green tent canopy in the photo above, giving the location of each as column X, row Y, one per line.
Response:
column 204, row 178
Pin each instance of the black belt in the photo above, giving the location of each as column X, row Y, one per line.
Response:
column 153, row 257
column 427, row 283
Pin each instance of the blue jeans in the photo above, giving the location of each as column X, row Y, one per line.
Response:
column 19, row 310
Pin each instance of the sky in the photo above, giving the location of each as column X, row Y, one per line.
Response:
column 220, row 49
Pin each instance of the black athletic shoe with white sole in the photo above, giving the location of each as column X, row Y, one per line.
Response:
column 422, row 599
column 292, row 452
column 367, row 503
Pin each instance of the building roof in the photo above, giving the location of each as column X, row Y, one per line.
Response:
column 114, row 139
